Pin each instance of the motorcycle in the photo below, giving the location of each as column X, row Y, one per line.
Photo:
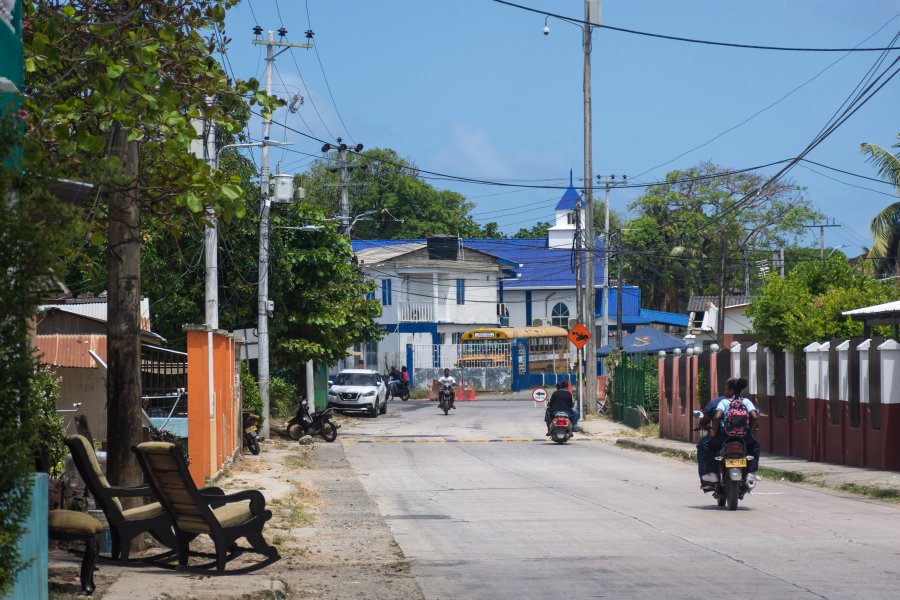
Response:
column 732, row 462
column 317, row 423
column 250, row 439
column 560, row 427
column 398, row 389
column 444, row 396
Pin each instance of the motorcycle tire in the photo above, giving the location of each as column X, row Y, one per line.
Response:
column 253, row 446
column 733, row 493
column 295, row 431
column 404, row 397
column 328, row 431
column 445, row 406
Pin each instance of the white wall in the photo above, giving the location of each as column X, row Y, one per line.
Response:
column 542, row 303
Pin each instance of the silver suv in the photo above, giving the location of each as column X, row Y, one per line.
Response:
column 358, row 389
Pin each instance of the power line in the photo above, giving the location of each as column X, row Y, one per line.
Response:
column 690, row 40
column 310, row 34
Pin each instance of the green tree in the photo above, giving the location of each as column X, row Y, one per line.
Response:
column 885, row 226
column 538, row 230
column 117, row 85
column 33, row 236
column 403, row 204
column 674, row 247
column 806, row 305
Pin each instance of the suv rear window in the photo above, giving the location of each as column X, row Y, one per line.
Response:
column 354, row 379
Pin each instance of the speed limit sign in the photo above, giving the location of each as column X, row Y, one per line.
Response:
column 539, row 395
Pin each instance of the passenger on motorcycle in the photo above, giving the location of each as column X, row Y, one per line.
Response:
column 715, row 415
column 404, row 375
column 561, row 401
column 447, row 378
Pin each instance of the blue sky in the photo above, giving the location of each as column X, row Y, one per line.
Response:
column 473, row 88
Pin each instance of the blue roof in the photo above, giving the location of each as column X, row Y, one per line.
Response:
column 539, row 265
column 646, row 340
column 569, row 200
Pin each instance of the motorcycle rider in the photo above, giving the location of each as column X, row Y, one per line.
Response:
column 448, row 379
column 561, row 401
column 715, row 417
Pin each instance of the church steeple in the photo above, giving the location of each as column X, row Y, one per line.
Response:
column 563, row 232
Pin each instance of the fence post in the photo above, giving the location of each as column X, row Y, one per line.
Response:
column 409, row 364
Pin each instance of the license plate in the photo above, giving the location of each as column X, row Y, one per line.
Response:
column 735, row 462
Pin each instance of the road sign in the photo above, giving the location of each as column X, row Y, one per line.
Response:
column 579, row 335
column 539, row 395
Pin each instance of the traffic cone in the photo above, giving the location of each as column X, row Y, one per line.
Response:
column 470, row 390
column 433, row 392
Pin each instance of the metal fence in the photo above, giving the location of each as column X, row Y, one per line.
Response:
column 163, row 381
column 632, row 401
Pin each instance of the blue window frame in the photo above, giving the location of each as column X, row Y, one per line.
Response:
column 386, row 292
column 460, row 291
column 370, row 296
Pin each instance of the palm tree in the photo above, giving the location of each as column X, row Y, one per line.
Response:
column 886, row 224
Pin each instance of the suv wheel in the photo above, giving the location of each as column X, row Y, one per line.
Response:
column 373, row 410
column 384, row 407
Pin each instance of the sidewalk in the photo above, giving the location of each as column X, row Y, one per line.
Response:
column 870, row 482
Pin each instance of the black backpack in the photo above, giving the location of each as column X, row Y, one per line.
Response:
column 737, row 419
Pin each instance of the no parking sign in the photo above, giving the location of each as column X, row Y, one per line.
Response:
column 539, row 395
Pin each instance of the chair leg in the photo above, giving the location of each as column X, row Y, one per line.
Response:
column 183, row 542
column 258, row 543
column 122, row 549
column 221, row 551
column 87, row 565
column 164, row 536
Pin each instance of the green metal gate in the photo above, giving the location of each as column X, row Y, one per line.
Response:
column 633, row 399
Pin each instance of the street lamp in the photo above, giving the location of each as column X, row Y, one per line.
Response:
column 837, row 248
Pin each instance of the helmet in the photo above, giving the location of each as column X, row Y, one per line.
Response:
column 561, row 385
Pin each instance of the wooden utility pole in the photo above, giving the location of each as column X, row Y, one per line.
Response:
column 123, row 323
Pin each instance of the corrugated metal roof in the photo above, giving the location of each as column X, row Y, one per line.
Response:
column 62, row 350
column 95, row 308
column 698, row 303
column 887, row 307
column 378, row 254
column 665, row 318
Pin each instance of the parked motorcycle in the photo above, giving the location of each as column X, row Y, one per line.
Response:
column 250, row 438
column 317, row 423
column 398, row 389
column 560, row 427
column 446, row 392
column 732, row 462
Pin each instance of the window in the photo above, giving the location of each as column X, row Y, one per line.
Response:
column 386, row 292
column 560, row 315
column 570, row 218
column 457, row 337
column 460, row 291
column 370, row 295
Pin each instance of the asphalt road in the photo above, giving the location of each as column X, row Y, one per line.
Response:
column 485, row 507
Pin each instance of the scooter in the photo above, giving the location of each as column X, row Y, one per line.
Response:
column 250, row 438
column 398, row 389
column 444, row 396
column 317, row 423
column 732, row 462
column 560, row 427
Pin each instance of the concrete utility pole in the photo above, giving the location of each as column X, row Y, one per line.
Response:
column 619, row 289
column 344, row 167
column 210, row 237
column 822, row 227
column 264, row 305
column 591, row 14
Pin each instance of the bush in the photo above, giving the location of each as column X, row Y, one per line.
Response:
column 43, row 393
column 282, row 397
column 251, row 400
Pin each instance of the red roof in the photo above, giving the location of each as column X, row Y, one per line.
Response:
column 68, row 350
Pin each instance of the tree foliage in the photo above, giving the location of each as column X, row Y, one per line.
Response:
column 403, row 204
column 885, row 226
column 806, row 305
column 673, row 247
column 33, row 235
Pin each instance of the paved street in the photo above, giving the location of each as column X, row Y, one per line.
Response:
column 484, row 507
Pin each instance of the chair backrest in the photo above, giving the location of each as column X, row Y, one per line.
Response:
column 167, row 472
column 86, row 462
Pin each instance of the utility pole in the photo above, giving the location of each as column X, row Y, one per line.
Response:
column 210, row 236
column 344, row 167
column 263, row 304
column 822, row 227
column 720, row 321
column 591, row 13
column 579, row 296
column 619, row 289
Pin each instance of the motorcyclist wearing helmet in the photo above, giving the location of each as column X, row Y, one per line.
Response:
column 561, row 401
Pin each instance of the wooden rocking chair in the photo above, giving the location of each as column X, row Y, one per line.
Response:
column 225, row 518
column 124, row 524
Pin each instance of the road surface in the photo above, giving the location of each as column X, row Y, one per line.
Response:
column 486, row 507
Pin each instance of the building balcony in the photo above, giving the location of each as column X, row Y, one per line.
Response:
column 416, row 312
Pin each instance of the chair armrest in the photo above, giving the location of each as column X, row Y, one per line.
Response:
column 257, row 500
column 213, row 495
column 137, row 490
column 211, row 491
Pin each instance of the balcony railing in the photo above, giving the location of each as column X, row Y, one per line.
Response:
column 416, row 312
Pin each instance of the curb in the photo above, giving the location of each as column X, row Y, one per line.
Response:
column 689, row 455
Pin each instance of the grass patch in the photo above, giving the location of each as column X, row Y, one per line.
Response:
column 872, row 492
column 297, row 461
column 780, row 475
column 293, row 509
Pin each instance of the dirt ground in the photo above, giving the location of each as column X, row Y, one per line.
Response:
column 331, row 537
